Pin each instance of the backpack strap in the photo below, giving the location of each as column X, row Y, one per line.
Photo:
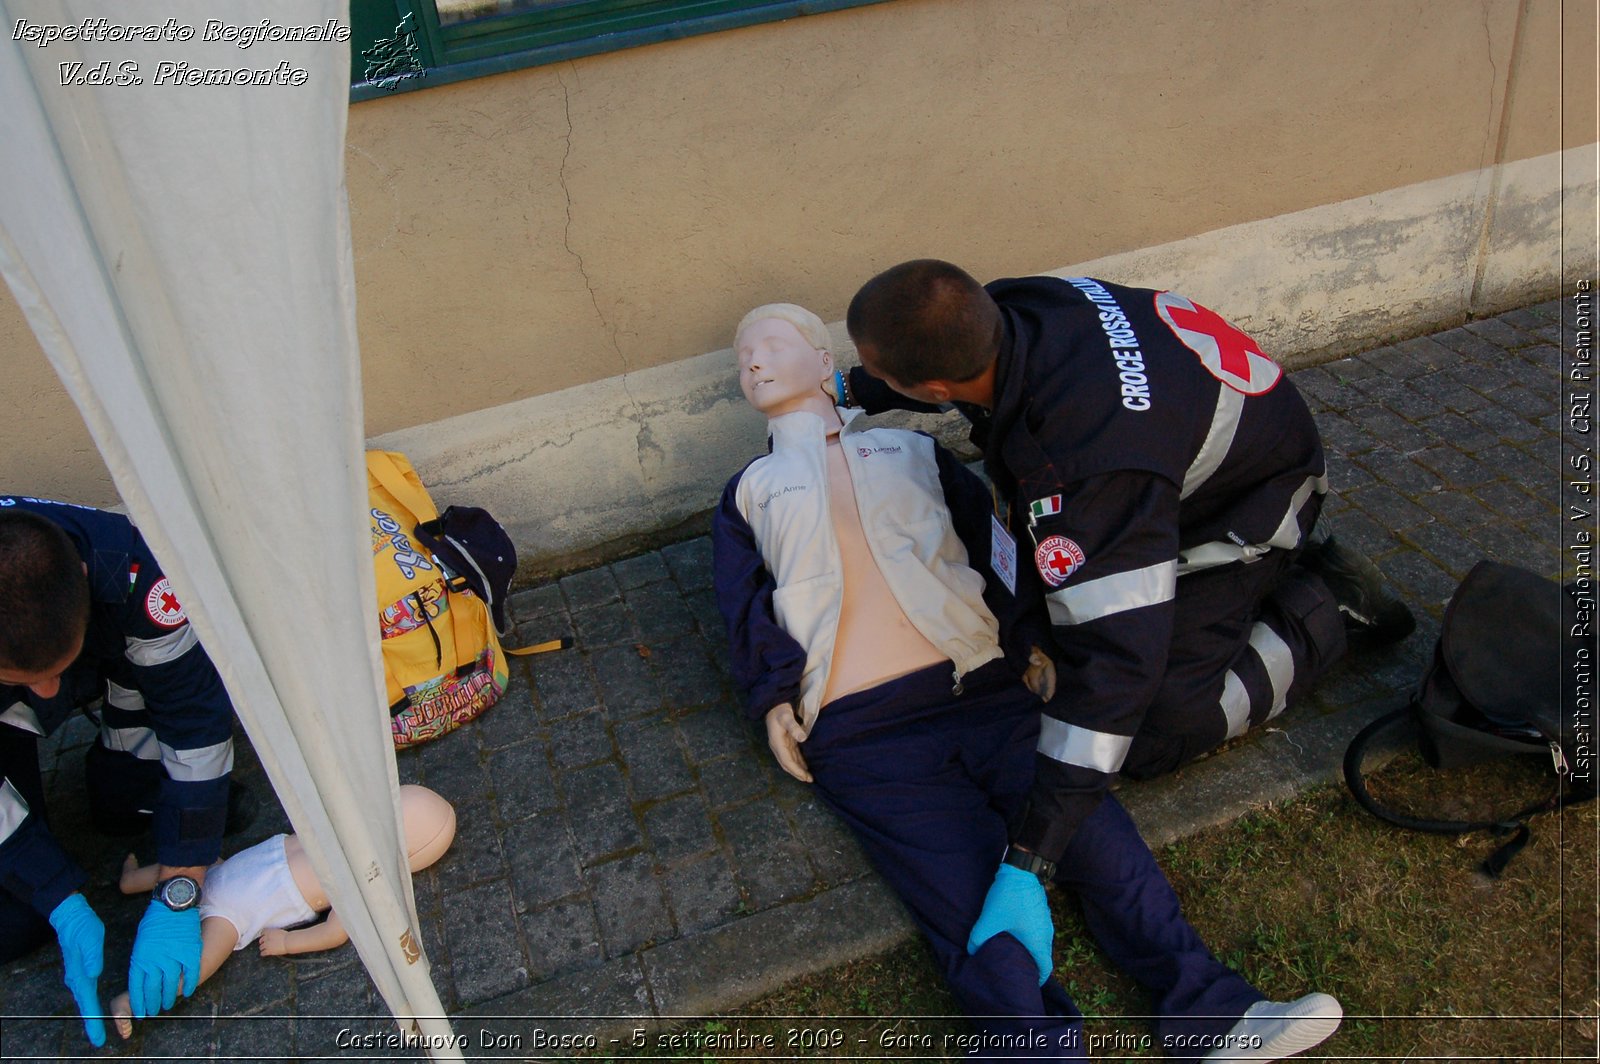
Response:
column 540, row 648
column 1355, row 754
column 1496, row 862
column 1515, row 825
column 384, row 469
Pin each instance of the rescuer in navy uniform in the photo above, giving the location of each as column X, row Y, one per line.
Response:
column 89, row 615
column 1164, row 477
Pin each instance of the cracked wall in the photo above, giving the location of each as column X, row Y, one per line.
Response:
column 554, row 234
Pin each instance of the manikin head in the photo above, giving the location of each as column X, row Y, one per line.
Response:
column 430, row 824
column 929, row 330
column 45, row 587
column 784, row 360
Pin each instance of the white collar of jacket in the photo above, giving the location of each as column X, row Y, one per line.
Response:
column 895, row 474
column 803, row 425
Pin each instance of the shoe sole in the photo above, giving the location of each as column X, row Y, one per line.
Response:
column 1292, row 1033
column 1306, row 1033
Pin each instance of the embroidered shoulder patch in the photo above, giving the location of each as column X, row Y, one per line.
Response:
column 163, row 606
column 1057, row 558
column 1227, row 352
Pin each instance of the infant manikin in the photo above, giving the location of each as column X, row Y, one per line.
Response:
column 269, row 892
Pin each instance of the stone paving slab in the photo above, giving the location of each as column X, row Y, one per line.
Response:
column 628, row 849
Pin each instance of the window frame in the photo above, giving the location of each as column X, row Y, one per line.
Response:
column 436, row 54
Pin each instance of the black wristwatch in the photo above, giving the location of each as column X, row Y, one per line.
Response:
column 1030, row 862
column 178, row 893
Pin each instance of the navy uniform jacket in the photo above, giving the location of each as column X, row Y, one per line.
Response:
column 1139, row 437
column 164, row 701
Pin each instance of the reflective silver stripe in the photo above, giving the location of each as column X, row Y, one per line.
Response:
column 1116, row 593
column 1072, row 745
column 163, row 648
column 1235, row 704
column 206, row 763
column 140, row 742
column 1279, row 662
column 13, row 810
column 123, row 697
column 1221, row 552
column 1224, row 423
column 1288, row 533
column 20, row 716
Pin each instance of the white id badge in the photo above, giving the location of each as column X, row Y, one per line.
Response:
column 1002, row 554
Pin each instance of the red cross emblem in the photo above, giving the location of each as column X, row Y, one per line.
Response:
column 1057, row 558
column 1231, row 356
column 163, row 606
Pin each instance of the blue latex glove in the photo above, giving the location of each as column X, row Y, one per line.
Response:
column 166, row 947
column 83, row 940
column 1016, row 904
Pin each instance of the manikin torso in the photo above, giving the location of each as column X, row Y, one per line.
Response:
column 876, row 642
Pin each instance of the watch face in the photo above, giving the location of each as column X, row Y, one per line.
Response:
column 179, row 893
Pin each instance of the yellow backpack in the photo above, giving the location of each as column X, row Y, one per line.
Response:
column 441, row 656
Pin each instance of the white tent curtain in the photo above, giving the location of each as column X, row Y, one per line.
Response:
column 183, row 254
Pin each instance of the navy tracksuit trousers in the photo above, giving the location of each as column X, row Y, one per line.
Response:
column 1247, row 641
column 928, row 781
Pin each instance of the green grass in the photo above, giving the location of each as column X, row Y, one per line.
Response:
column 1430, row 959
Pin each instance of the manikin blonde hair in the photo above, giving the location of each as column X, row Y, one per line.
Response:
column 811, row 327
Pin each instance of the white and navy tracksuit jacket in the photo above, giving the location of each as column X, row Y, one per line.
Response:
column 164, row 702
column 778, row 573
column 1140, row 439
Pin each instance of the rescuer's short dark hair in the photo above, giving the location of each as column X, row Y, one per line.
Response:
column 44, row 594
column 926, row 320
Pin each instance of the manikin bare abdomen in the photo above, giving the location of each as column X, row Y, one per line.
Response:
column 876, row 642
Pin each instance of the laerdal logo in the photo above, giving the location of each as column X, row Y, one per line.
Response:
column 762, row 505
column 867, row 452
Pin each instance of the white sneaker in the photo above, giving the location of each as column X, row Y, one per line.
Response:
column 1271, row 1030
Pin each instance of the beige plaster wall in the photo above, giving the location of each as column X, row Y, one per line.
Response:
column 548, row 229
column 570, row 223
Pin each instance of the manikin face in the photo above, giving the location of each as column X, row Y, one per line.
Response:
column 779, row 372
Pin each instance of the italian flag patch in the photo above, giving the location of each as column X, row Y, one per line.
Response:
column 1046, row 507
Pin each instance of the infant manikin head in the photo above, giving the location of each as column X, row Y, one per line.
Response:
column 783, row 359
column 430, row 824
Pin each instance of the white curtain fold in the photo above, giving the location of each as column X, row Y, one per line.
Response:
column 182, row 252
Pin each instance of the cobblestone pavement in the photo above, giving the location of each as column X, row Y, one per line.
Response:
column 627, row 848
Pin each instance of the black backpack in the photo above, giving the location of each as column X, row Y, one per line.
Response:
column 1503, row 669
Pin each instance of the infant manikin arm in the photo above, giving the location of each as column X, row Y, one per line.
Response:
column 136, row 879
column 330, row 933
column 140, row 879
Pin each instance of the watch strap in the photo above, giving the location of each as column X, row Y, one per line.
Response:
column 1030, row 862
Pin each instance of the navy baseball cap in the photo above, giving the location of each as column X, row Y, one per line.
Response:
column 475, row 549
